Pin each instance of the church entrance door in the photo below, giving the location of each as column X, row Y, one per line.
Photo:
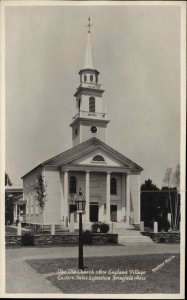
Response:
column 73, row 209
column 113, row 213
column 94, row 208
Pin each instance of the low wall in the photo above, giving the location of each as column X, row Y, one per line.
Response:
column 104, row 238
column 12, row 240
column 65, row 239
column 164, row 237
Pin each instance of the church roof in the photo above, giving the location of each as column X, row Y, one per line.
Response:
column 84, row 148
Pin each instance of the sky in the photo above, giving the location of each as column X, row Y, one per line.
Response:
column 137, row 52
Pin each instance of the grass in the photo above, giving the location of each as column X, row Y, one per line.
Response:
column 164, row 280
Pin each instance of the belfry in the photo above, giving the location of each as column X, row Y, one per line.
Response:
column 109, row 180
column 90, row 118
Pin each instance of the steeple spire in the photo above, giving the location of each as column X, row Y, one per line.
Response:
column 88, row 64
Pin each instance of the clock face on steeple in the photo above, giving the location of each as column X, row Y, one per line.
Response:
column 93, row 129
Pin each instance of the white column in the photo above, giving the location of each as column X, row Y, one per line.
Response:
column 101, row 216
column 16, row 213
column 127, row 198
column 123, row 183
column 155, row 227
column 65, row 196
column 52, row 229
column 139, row 202
column 108, row 197
column 87, row 188
column 142, row 226
column 71, row 225
column 19, row 229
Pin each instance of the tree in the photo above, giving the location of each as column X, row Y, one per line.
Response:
column 173, row 178
column 9, row 206
column 176, row 183
column 149, row 202
column 9, row 209
column 154, row 206
column 41, row 191
column 167, row 180
column 7, row 180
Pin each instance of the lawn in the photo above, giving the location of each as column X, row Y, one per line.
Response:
column 153, row 273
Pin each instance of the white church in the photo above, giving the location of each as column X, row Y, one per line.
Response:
column 110, row 182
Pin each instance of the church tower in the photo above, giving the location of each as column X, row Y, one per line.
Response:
column 90, row 119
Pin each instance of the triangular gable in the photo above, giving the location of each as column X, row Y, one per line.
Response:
column 83, row 150
column 98, row 157
column 81, row 154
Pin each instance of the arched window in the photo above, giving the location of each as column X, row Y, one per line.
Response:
column 92, row 104
column 98, row 158
column 73, row 185
column 113, row 186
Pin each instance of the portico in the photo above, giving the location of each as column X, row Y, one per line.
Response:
column 102, row 204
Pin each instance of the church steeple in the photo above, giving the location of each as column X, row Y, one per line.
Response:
column 90, row 118
column 88, row 63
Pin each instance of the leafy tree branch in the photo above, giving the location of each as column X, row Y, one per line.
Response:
column 40, row 187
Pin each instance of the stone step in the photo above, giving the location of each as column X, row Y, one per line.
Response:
column 133, row 239
column 127, row 232
column 120, row 225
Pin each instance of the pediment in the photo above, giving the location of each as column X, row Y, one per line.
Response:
column 98, row 157
column 84, row 153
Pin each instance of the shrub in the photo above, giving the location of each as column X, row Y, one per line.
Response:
column 163, row 225
column 27, row 239
column 87, row 237
column 102, row 227
column 94, row 227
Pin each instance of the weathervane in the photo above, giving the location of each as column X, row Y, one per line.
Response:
column 89, row 25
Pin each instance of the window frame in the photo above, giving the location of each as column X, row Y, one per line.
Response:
column 98, row 155
column 113, row 186
column 72, row 187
